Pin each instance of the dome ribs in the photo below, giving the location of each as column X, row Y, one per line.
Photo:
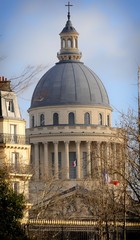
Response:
column 97, row 82
column 61, row 87
column 69, row 83
column 86, row 81
column 101, row 88
column 74, row 81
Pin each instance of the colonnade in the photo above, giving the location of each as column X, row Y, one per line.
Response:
column 97, row 153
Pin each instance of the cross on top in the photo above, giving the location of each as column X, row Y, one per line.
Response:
column 69, row 5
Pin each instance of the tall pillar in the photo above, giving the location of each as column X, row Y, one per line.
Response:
column 56, row 158
column 119, row 160
column 78, row 160
column 67, row 159
column 98, row 158
column 107, row 155
column 103, row 156
column 41, row 163
column 114, row 165
column 46, row 160
column 36, row 163
column 98, row 154
column 88, row 146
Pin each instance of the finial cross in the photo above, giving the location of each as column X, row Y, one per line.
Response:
column 69, row 5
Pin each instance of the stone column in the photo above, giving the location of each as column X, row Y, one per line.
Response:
column 107, row 154
column 88, row 146
column 102, row 155
column 56, row 158
column 46, row 160
column 78, row 160
column 120, row 160
column 98, row 158
column 114, row 152
column 36, row 161
column 114, row 162
column 98, row 154
column 67, row 159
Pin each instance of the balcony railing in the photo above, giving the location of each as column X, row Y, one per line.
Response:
column 12, row 138
column 20, row 168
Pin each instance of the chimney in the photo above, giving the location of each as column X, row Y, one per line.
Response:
column 4, row 84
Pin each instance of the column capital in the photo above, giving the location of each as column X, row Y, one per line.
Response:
column 35, row 143
column 107, row 143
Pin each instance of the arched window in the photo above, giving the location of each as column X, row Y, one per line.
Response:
column 108, row 120
column 100, row 119
column 55, row 119
column 63, row 43
column 87, row 118
column 42, row 120
column 32, row 121
column 71, row 118
column 69, row 43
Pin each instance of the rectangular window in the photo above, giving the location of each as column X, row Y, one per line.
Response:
column 10, row 105
column 84, row 164
column 13, row 133
column 108, row 120
column 32, row 121
column 15, row 187
column 15, row 160
column 72, row 165
column 53, row 170
column 59, row 165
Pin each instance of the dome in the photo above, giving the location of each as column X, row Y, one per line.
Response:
column 69, row 83
column 68, row 28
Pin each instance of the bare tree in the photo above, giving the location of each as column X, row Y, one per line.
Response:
column 105, row 202
column 22, row 82
column 129, row 122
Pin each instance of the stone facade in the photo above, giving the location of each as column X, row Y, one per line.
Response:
column 70, row 132
column 15, row 153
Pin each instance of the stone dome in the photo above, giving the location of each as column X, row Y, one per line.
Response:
column 69, row 83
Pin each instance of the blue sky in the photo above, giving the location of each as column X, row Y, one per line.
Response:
column 109, row 40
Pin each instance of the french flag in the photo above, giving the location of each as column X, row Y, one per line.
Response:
column 115, row 182
column 74, row 163
column 108, row 180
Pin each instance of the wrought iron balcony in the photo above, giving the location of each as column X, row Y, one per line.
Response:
column 19, row 169
column 12, row 138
